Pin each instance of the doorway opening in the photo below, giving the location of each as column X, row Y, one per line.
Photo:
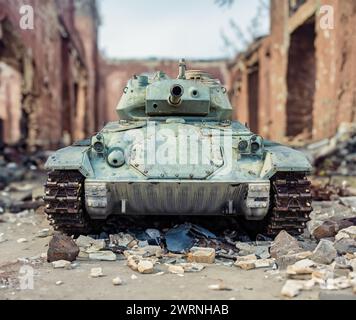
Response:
column 301, row 79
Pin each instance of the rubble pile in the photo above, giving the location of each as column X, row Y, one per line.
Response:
column 17, row 165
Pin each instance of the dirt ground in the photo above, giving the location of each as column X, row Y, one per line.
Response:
column 77, row 284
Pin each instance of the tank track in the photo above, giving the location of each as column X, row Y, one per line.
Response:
column 64, row 202
column 291, row 204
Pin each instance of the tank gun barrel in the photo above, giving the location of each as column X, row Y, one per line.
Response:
column 177, row 92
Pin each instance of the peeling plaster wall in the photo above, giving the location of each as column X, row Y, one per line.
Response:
column 53, row 62
column 334, row 86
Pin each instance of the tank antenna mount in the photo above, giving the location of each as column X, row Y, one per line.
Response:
column 182, row 69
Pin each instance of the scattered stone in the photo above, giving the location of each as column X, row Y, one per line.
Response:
column 284, row 261
column 96, row 273
column 192, row 267
column 103, row 256
column 246, row 258
column 145, row 267
column 61, row 264
column 83, row 256
column 59, row 283
column 246, row 265
column 134, row 277
column 62, row 247
column 345, row 246
column 121, row 240
column 303, row 267
column 245, row 248
column 292, row 288
column 325, row 253
column 175, row 269
column 84, row 242
column 263, row 252
column 22, row 240
column 117, row 281
column 132, row 262
column 44, row 233
column 327, row 229
column 284, row 244
column 348, row 233
column 201, row 255
column 264, row 263
column 158, row 274
column 340, row 283
column 219, row 287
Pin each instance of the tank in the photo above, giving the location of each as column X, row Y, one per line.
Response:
column 176, row 151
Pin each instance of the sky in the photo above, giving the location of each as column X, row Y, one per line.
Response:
column 173, row 28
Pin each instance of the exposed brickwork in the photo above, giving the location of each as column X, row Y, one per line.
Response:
column 54, row 62
column 307, row 75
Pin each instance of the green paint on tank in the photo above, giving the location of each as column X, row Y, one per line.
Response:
column 176, row 151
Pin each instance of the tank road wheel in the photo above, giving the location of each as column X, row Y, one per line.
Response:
column 64, row 202
column 291, row 204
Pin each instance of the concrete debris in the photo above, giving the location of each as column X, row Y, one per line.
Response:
column 325, row 253
column 330, row 228
column 22, row 240
column 96, row 273
column 44, row 233
column 145, row 267
column 245, row 248
column 292, row 288
column 348, row 233
column 263, row 252
column 264, row 263
column 303, row 267
column 59, row 283
column 345, row 246
column 284, row 261
column 62, row 247
column 121, row 240
column 175, row 269
column 336, row 284
column 90, row 245
column 219, row 287
column 192, row 267
column 250, row 257
column 132, row 262
column 284, row 244
column 61, row 264
column 201, row 255
column 103, row 256
column 117, row 281
column 134, row 277
column 246, row 265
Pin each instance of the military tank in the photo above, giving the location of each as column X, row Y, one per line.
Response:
column 176, row 151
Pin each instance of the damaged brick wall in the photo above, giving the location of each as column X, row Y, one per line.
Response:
column 52, row 60
column 115, row 74
column 307, row 74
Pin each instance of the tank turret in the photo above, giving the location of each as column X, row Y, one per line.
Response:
column 194, row 94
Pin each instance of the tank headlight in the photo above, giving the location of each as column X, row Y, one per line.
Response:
column 243, row 145
column 99, row 147
column 116, row 158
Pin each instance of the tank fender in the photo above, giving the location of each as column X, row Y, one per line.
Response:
column 279, row 158
column 71, row 158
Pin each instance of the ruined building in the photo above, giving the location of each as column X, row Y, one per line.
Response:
column 300, row 81
column 48, row 78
